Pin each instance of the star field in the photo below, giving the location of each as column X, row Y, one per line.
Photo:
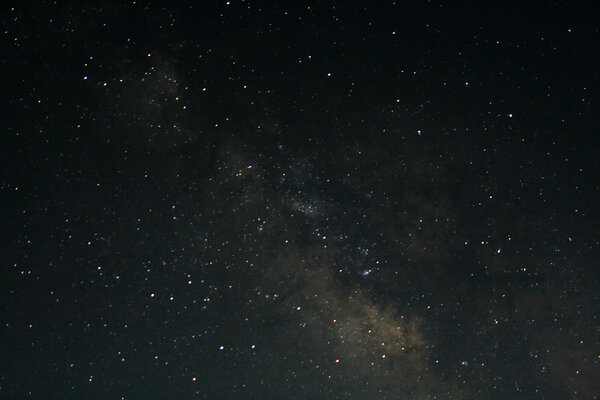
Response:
column 300, row 200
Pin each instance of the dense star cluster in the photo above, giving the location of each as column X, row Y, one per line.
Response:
column 300, row 200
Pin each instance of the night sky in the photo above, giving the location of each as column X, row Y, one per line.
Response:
column 300, row 200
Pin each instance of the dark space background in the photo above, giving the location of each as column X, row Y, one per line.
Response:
column 300, row 200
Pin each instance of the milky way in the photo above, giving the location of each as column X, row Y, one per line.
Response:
column 236, row 200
